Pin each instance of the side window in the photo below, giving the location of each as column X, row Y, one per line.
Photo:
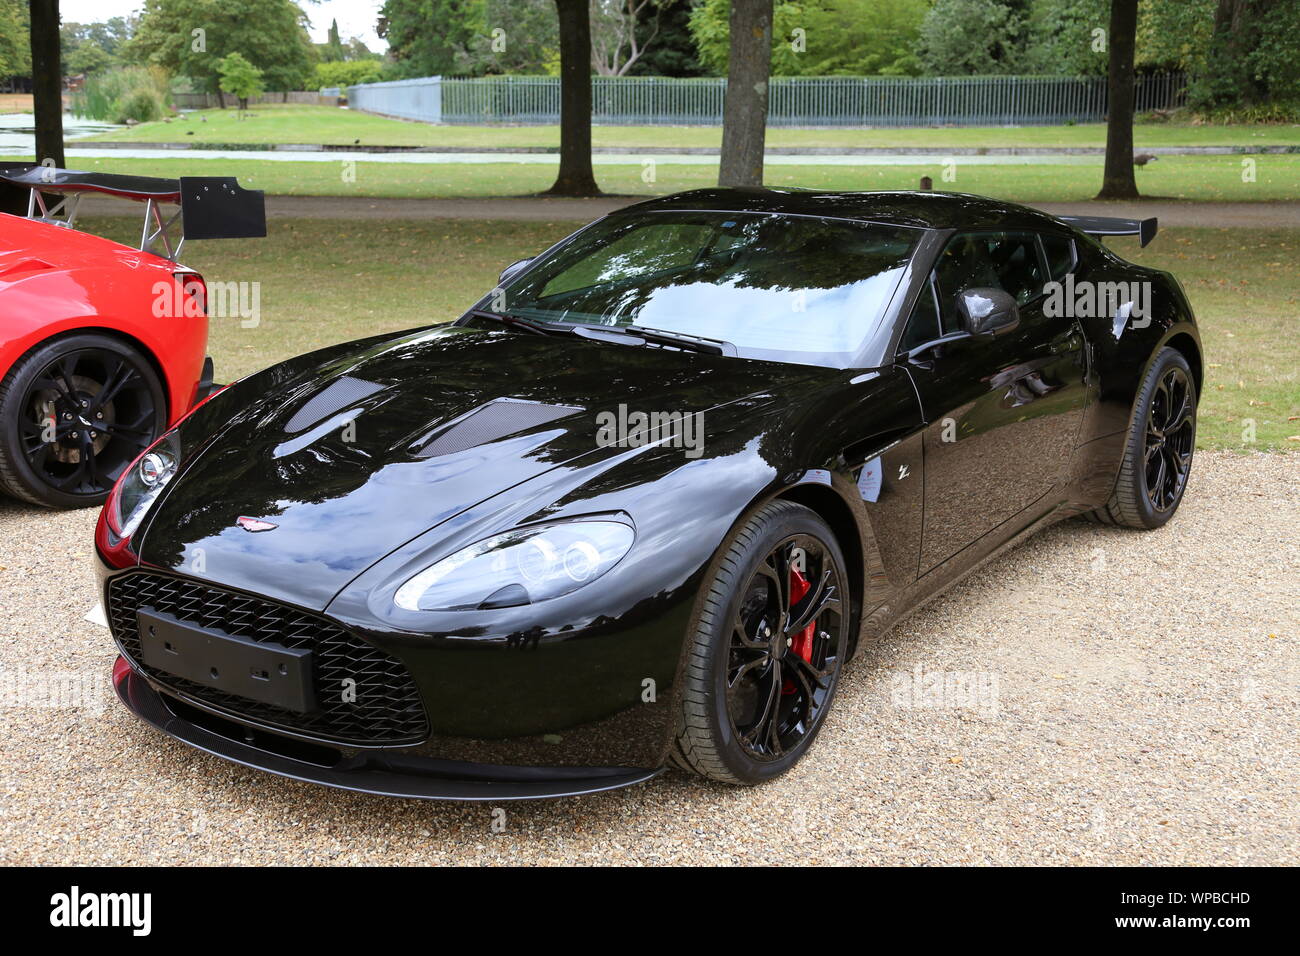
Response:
column 923, row 326
column 997, row 260
column 1061, row 256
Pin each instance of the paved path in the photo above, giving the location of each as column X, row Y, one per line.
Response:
column 1170, row 213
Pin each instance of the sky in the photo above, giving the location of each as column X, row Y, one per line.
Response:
column 356, row 17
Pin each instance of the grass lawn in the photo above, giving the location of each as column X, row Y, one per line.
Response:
column 331, row 126
column 329, row 281
column 1173, row 177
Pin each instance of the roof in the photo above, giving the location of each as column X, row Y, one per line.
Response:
column 932, row 210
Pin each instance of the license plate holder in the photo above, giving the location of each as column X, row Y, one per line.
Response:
column 268, row 673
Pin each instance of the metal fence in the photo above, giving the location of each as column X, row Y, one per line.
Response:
column 793, row 101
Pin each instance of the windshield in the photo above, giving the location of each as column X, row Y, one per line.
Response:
column 784, row 288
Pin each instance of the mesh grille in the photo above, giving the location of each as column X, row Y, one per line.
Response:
column 387, row 708
column 338, row 394
column 496, row 419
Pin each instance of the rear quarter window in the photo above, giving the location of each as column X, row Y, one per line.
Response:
column 1061, row 256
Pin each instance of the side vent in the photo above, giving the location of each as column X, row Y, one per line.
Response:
column 337, row 395
column 488, row 422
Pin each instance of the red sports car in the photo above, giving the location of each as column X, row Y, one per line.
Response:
column 102, row 347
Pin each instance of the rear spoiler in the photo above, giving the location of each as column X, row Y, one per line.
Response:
column 1099, row 226
column 211, row 207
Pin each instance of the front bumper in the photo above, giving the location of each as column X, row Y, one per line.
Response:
column 378, row 772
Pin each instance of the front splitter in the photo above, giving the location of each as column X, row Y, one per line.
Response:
column 390, row 775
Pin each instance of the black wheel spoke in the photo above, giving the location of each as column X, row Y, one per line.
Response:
column 118, row 379
column 103, row 410
column 814, row 603
column 761, row 730
column 744, row 669
column 775, row 694
column 806, row 670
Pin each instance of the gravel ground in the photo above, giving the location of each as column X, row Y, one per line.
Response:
column 1111, row 697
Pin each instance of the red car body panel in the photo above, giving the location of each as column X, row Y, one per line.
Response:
column 55, row 280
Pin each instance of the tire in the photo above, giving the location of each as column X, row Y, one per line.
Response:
column 55, row 391
column 735, row 675
column 1158, row 452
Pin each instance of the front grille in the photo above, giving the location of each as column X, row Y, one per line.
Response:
column 387, row 708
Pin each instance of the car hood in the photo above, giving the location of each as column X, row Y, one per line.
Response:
column 352, row 457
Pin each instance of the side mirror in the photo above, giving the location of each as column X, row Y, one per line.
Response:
column 987, row 312
column 512, row 270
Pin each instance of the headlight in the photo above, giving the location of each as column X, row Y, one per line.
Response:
column 523, row 566
column 141, row 484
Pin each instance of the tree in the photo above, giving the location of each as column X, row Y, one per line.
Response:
column 744, row 112
column 965, row 37
column 575, row 177
column 89, row 47
column 348, row 73
column 47, row 82
column 673, row 51
column 356, row 49
column 430, row 37
column 621, row 30
column 190, row 37
column 1174, row 34
column 333, row 49
column 823, row 37
column 1118, row 181
column 1062, row 38
column 15, row 40
column 1252, row 57
column 239, row 78
column 514, row 36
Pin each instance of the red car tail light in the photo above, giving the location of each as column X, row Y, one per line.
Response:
column 194, row 290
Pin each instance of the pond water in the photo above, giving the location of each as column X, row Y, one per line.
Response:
column 18, row 135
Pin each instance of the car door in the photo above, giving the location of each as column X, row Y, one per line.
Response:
column 1002, row 413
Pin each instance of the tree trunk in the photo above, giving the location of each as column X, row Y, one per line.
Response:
column 1118, row 181
column 575, row 177
column 47, row 82
column 744, row 116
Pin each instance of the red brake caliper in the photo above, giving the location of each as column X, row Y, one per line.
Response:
column 802, row 643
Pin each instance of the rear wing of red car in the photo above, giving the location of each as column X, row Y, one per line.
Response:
column 1101, row 226
column 210, row 207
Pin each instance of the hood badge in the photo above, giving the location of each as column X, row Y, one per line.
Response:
column 255, row 524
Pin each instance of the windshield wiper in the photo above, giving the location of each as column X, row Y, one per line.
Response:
column 514, row 321
column 637, row 334
column 682, row 340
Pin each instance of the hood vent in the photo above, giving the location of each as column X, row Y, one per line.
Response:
column 488, row 422
column 339, row 394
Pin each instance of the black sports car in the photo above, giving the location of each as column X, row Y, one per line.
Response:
column 641, row 504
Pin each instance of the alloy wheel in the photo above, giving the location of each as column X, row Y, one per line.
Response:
column 1170, row 439
column 785, row 648
column 86, row 415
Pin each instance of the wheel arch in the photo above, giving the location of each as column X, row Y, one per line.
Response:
column 831, row 507
column 124, row 337
column 1183, row 342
